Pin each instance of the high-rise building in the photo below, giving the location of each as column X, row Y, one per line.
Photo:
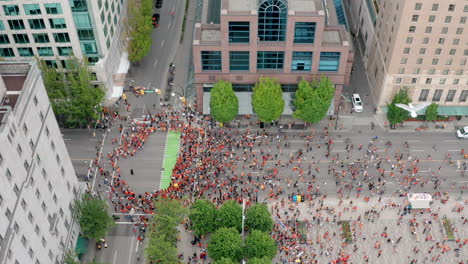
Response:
column 55, row 29
column 241, row 40
column 38, row 184
column 421, row 45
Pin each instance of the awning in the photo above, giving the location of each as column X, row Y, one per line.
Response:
column 81, row 246
column 442, row 110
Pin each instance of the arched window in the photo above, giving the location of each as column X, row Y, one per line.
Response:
column 272, row 15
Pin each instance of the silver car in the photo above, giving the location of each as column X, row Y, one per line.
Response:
column 357, row 103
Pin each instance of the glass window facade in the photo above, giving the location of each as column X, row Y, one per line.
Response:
column 21, row 38
column 82, row 20
column 45, row 51
column 11, row 10
column 16, row 24
column 7, row 52
column 85, row 34
column 239, row 61
column 41, row 38
column 32, row 9
column 53, row 8
column 79, row 5
column 423, row 95
column 2, row 26
column 329, row 61
column 211, row 60
column 304, row 32
column 4, row 39
column 450, row 95
column 36, row 23
column 25, row 52
column 61, row 37
column 239, row 32
column 57, row 23
column 301, row 61
column 65, row 51
column 88, row 47
column 270, row 60
column 272, row 18
column 437, row 95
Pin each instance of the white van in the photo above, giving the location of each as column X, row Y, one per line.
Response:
column 462, row 132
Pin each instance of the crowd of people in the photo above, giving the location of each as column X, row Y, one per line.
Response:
column 231, row 164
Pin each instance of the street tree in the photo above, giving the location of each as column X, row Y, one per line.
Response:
column 225, row 261
column 94, row 217
column 432, row 112
column 258, row 217
column 396, row 115
column 230, row 215
column 203, row 216
column 264, row 260
column 259, row 244
column 267, row 99
column 140, row 29
column 312, row 100
column 224, row 103
column 74, row 98
column 159, row 250
column 225, row 243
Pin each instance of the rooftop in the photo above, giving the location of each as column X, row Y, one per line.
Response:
column 293, row 5
column 13, row 76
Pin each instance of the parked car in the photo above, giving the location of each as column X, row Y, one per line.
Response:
column 462, row 132
column 158, row 4
column 357, row 103
column 155, row 20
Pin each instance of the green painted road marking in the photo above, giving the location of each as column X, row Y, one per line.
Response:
column 170, row 158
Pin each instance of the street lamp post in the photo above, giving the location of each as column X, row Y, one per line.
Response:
column 337, row 116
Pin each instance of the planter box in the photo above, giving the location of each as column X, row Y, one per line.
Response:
column 448, row 227
column 347, row 233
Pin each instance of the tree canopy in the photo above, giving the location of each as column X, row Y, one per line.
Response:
column 159, row 250
column 94, row 217
column 74, row 98
column 312, row 100
column 259, row 244
column 230, row 215
column 264, row 260
column 225, row 261
column 267, row 99
column 224, row 104
column 225, row 243
column 432, row 112
column 140, row 29
column 396, row 115
column 203, row 216
column 258, row 217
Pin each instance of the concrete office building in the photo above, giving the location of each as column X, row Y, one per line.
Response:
column 55, row 29
column 241, row 40
column 38, row 184
column 421, row 45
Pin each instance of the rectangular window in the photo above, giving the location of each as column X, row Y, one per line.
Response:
column 437, row 95
column 53, row 8
column 403, row 60
column 89, row 48
column 459, row 31
column 41, row 38
column 21, row 38
column 438, row 51
column 445, row 71
column 419, row 61
column 406, row 50
column 456, row 81
column 455, row 41
column 85, row 34
column 239, row 32
column 61, row 37
column 463, row 96
column 36, row 23
column 270, row 60
column 431, row 19
column 415, row 18
column 329, row 61
column 17, row 24
column 304, row 32
column 444, row 30
column 441, row 41
column 462, row 20
column 4, row 39
column 442, row 81
column 450, row 95
column 57, row 23
column 2, row 26
column 451, row 8
column 11, row 10
column 423, row 95
column 79, row 5
column 425, row 40
column 428, row 29
column 45, row 51
column 239, row 61
column 417, row 6
column 452, row 51
column 448, row 19
column 65, row 51
column 412, row 29
column 422, row 51
column 409, row 40
column 32, row 9
column 428, row 80
column 7, row 52
column 301, row 61
column 82, row 20
column 25, row 52
column 211, row 60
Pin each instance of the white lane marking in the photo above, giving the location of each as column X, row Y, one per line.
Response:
column 137, row 245
column 115, row 257
column 131, row 250
column 155, row 63
column 162, row 43
column 169, row 25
